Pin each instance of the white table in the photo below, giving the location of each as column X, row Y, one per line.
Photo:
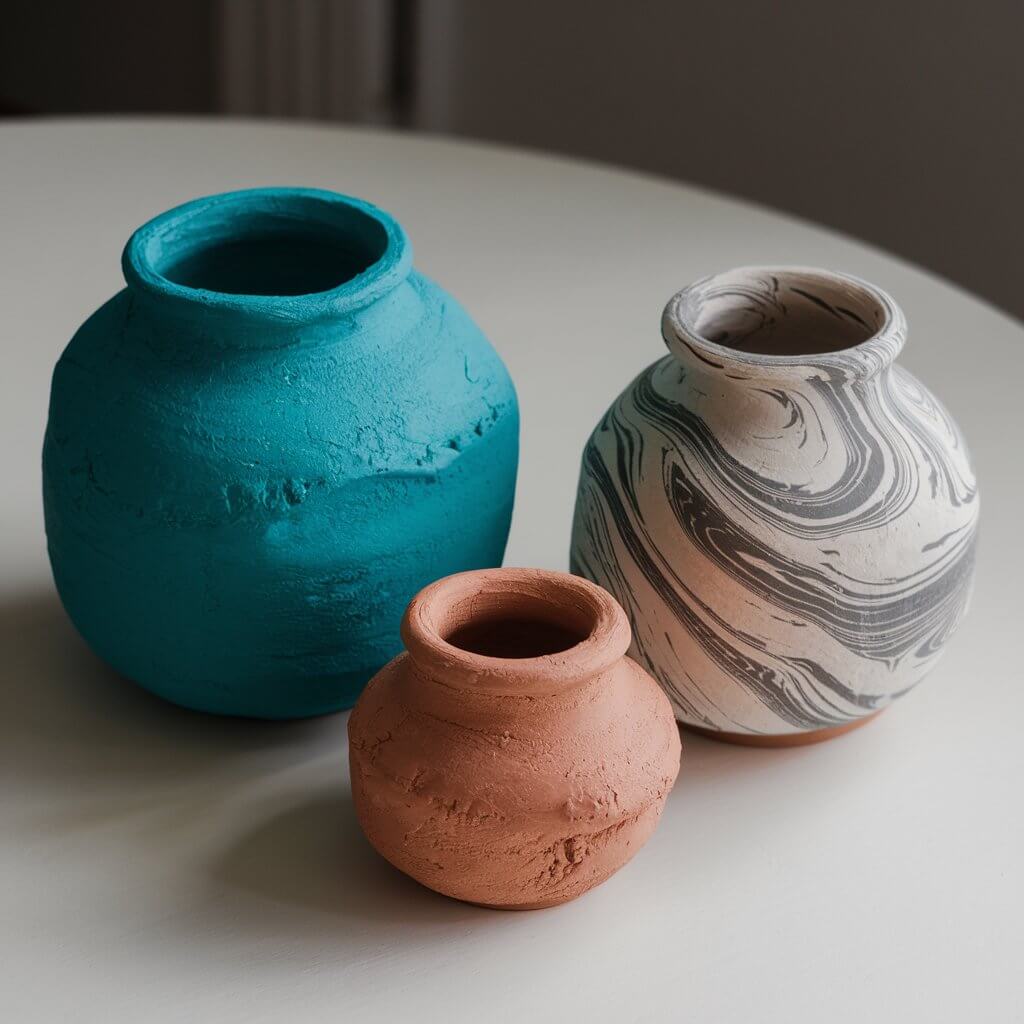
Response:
column 158, row 865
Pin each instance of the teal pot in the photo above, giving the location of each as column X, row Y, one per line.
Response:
column 262, row 448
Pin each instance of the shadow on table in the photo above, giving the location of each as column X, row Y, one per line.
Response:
column 313, row 856
column 708, row 761
column 66, row 719
column 732, row 804
column 85, row 748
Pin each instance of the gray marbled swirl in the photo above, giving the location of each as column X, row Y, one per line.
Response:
column 792, row 535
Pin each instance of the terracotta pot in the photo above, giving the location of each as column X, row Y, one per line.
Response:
column 787, row 515
column 514, row 757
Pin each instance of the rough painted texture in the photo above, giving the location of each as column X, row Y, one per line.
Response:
column 512, row 782
column 788, row 517
column 244, row 490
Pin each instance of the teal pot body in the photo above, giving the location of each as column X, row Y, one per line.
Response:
column 261, row 449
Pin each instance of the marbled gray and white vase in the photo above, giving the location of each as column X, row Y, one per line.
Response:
column 788, row 517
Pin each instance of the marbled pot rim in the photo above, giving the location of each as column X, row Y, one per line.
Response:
column 870, row 355
column 458, row 599
column 181, row 230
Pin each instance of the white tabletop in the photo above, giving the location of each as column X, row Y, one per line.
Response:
column 158, row 865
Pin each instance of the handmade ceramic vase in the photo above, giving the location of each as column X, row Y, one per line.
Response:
column 787, row 515
column 514, row 757
column 264, row 446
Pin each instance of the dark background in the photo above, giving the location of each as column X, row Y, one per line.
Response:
column 899, row 122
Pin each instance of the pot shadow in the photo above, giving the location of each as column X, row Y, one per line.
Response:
column 84, row 748
column 717, row 761
column 69, row 724
column 314, row 856
column 731, row 803
column 708, row 761
column 88, row 747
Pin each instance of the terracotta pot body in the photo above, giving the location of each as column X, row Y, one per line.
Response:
column 514, row 757
column 787, row 516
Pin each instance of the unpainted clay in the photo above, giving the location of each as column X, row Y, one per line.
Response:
column 514, row 757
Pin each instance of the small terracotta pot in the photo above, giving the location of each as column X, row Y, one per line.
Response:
column 514, row 757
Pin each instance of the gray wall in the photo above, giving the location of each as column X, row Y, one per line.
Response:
column 899, row 122
column 106, row 55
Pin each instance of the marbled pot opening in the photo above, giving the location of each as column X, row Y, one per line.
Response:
column 515, row 630
column 783, row 314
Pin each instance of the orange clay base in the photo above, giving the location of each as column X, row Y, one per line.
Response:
column 791, row 739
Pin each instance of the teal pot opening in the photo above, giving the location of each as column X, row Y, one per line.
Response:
column 262, row 448
column 271, row 256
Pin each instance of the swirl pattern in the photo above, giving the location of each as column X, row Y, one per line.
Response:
column 792, row 535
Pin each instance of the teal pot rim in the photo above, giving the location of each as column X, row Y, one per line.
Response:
column 185, row 230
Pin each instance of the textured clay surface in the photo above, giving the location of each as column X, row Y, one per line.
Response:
column 788, row 517
column 515, row 781
column 244, row 487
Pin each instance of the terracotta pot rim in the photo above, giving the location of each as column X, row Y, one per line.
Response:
column 557, row 597
column 876, row 350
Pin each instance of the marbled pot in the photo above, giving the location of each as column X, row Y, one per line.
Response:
column 264, row 446
column 788, row 517
column 514, row 757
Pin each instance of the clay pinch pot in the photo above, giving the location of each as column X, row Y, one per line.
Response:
column 788, row 516
column 514, row 757
column 255, row 451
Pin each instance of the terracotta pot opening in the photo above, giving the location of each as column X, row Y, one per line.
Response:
column 515, row 631
column 779, row 313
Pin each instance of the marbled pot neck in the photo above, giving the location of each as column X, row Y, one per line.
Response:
column 778, row 323
column 514, row 632
column 278, row 260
